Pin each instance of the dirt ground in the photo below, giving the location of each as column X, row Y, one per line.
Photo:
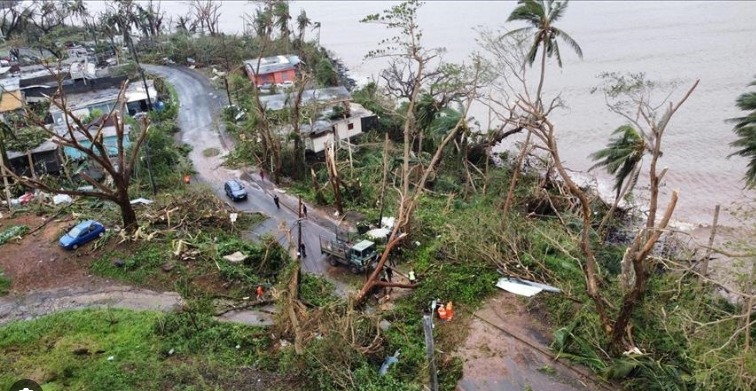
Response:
column 37, row 262
column 495, row 360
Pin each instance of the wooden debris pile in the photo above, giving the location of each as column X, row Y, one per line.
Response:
column 188, row 212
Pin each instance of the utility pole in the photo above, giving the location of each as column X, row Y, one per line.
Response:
column 429, row 350
column 299, row 246
column 228, row 67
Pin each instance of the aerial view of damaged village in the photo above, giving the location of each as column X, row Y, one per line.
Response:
column 533, row 195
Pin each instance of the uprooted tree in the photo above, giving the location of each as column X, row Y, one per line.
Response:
column 423, row 73
column 116, row 161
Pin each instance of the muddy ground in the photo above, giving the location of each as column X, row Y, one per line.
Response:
column 499, row 353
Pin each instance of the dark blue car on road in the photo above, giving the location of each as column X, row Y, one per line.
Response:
column 81, row 234
column 235, row 190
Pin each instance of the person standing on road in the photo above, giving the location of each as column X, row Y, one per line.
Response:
column 389, row 274
column 304, row 210
column 303, row 250
column 277, row 201
column 262, row 175
column 412, row 278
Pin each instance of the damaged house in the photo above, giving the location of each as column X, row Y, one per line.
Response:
column 339, row 121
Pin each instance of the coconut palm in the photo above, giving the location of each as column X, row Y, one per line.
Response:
column 622, row 156
column 302, row 22
column 745, row 129
column 263, row 21
column 541, row 15
column 281, row 18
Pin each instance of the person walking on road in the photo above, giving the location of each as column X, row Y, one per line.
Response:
column 389, row 274
column 412, row 278
column 304, row 210
column 262, row 175
column 277, row 201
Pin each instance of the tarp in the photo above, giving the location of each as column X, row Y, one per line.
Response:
column 524, row 287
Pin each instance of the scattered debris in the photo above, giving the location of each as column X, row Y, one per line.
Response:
column 390, row 360
column 141, row 201
column 236, row 257
column 168, row 266
column 384, row 325
column 119, row 263
column 634, row 351
column 26, row 198
column 111, row 358
column 378, row 233
column 170, row 352
column 62, row 199
column 524, row 287
column 388, row 222
column 14, row 232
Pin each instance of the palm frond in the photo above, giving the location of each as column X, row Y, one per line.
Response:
column 557, row 10
column 533, row 52
column 622, row 155
column 745, row 129
column 528, row 11
column 567, row 39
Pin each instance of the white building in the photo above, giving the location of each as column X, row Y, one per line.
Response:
column 326, row 130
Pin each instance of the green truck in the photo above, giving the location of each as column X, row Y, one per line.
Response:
column 357, row 257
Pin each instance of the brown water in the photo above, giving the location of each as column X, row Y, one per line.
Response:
column 673, row 42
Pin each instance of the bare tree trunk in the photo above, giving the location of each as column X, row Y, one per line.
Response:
column 333, row 177
column 515, row 173
column 637, row 254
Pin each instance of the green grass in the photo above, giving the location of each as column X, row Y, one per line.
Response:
column 205, row 351
column 140, row 267
column 5, row 283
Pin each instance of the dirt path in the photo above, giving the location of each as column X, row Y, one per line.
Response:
column 507, row 350
column 98, row 294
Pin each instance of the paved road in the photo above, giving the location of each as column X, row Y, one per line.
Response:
column 202, row 129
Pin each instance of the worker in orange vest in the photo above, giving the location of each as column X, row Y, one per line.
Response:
column 442, row 312
column 449, row 311
column 259, row 293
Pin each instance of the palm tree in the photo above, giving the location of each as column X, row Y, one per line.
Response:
column 262, row 22
column 541, row 15
column 302, row 22
column 745, row 129
column 282, row 17
column 622, row 157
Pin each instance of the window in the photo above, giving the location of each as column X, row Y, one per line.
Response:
column 350, row 126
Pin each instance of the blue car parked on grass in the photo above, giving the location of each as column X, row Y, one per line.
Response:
column 81, row 234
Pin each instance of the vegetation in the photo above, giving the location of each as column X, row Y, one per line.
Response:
column 125, row 350
column 745, row 129
column 5, row 283
column 633, row 309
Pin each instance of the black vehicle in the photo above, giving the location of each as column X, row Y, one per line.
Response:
column 235, row 190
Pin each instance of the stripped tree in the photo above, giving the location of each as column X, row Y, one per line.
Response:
column 407, row 52
column 118, row 166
